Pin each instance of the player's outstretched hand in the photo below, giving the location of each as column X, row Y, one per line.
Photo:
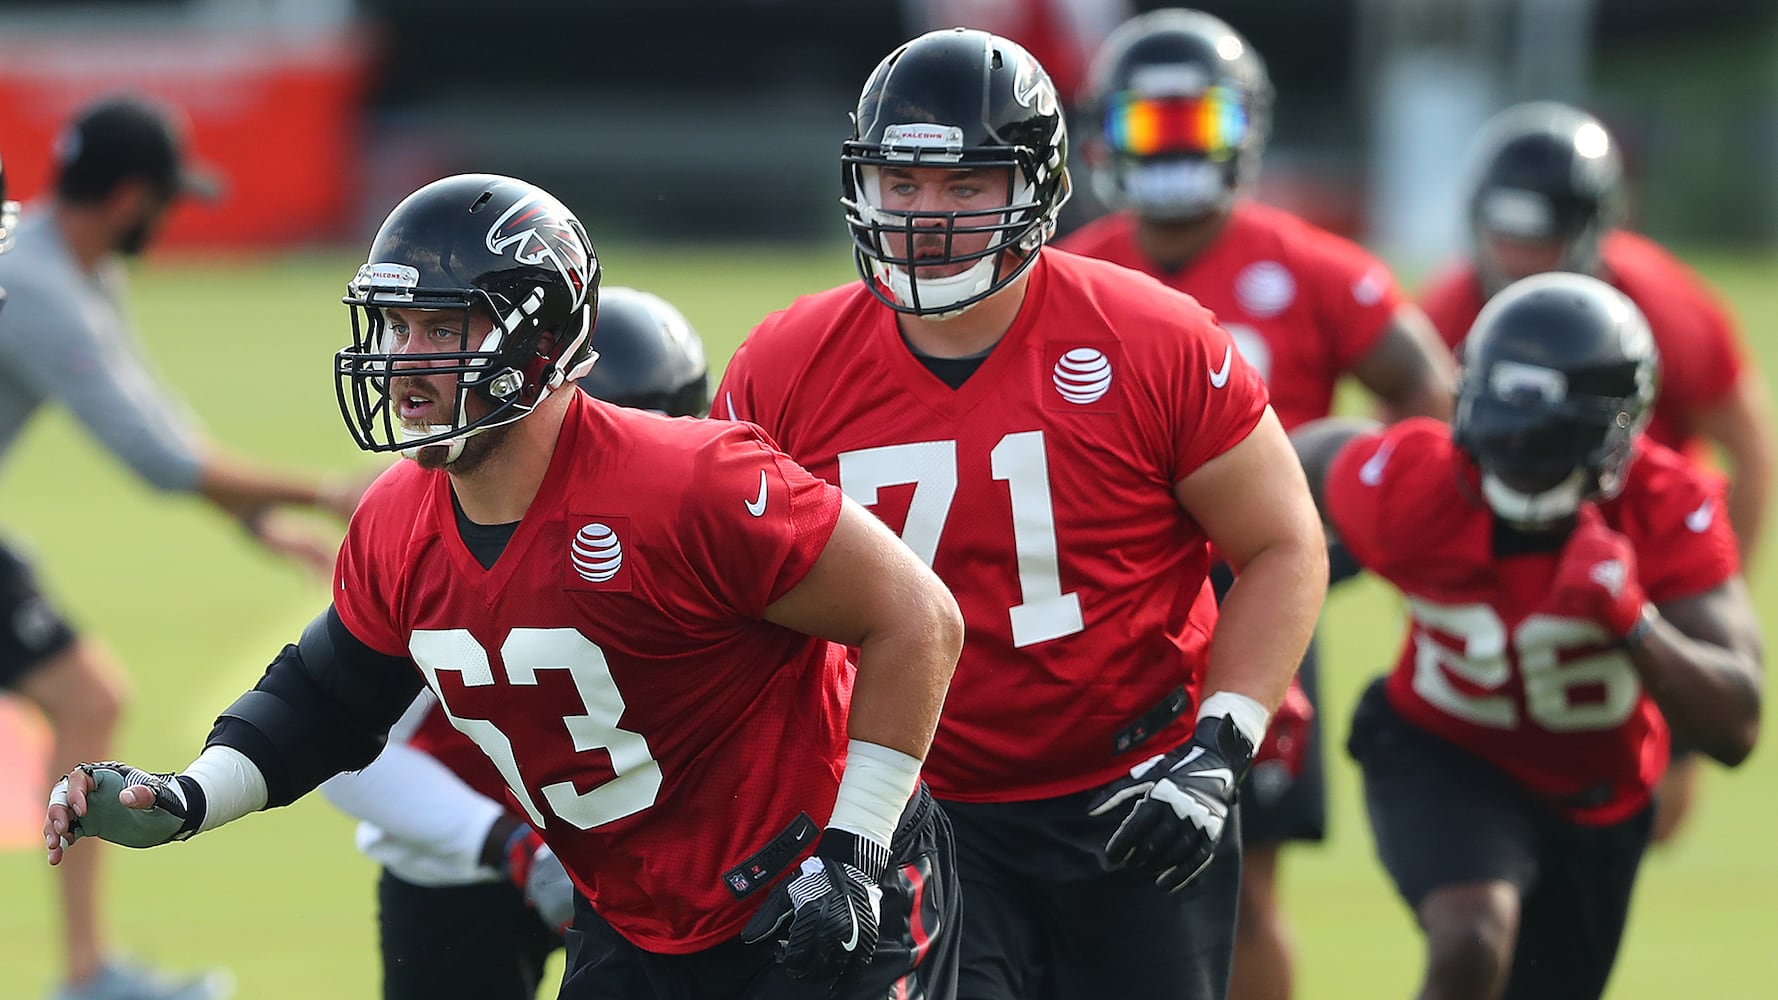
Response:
column 121, row 804
column 339, row 495
column 290, row 537
column 539, row 874
column 1182, row 802
column 1596, row 578
column 824, row 917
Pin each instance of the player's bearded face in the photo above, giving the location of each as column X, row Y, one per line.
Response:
column 425, row 402
column 944, row 190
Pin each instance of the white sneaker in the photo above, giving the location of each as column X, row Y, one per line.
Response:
column 120, row 980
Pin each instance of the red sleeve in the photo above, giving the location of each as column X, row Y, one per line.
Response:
column 1684, row 543
column 1684, row 313
column 1720, row 345
column 737, row 395
column 1355, row 295
column 1452, row 301
column 1221, row 397
column 756, row 522
column 363, row 581
column 1353, row 496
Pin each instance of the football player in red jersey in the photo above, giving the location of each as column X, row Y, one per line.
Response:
column 642, row 622
column 1547, row 194
column 1575, row 595
column 1062, row 439
column 1181, row 105
column 471, row 901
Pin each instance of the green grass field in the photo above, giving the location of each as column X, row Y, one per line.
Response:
column 195, row 612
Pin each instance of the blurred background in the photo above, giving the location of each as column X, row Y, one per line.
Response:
column 698, row 140
column 717, row 119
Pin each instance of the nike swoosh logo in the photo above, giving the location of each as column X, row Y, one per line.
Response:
column 1371, row 472
column 1220, row 377
column 1222, row 774
column 758, row 507
column 1700, row 519
column 852, row 942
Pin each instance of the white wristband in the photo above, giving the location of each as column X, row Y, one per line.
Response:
column 233, row 786
column 1249, row 716
column 874, row 791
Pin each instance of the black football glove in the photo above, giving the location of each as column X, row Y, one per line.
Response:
column 1182, row 804
column 824, row 917
column 531, row 866
column 177, row 812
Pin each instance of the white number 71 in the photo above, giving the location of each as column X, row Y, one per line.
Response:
column 1017, row 460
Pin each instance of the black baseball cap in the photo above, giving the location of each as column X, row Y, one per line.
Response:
column 128, row 137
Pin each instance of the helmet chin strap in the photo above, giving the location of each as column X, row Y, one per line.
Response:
column 940, row 292
column 453, row 446
column 1534, row 510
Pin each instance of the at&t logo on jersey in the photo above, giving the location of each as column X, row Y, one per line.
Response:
column 1082, row 376
column 596, row 553
column 1265, row 288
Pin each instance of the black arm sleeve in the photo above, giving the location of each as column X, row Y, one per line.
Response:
column 324, row 706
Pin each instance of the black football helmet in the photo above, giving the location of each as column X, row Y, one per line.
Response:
column 956, row 98
column 1543, row 174
column 477, row 243
column 1559, row 376
column 9, row 214
column 1182, row 107
column 648, row 355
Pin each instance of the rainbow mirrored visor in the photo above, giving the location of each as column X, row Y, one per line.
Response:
column 1212, row 124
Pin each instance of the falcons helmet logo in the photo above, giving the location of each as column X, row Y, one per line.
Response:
column 537, row 229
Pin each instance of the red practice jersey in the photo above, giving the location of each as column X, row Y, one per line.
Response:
column 1041, row 491
column 1549, row 700
column 613, row 665
column 436, row 736
column 1701, row 353
column 1304, row 305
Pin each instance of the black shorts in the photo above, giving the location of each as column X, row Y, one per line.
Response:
column 1276, row 805
column 1442, row 817
column 32, row 630
column 469, row 942
column 1047, row 919
column 916, row 954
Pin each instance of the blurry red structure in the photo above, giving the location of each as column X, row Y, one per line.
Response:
column 277, row 116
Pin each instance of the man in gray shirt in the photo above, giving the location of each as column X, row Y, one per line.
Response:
column 64, row 338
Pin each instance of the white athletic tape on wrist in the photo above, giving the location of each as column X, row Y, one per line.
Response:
column 1249, row 716
column 232, row 786
column 874, row 790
